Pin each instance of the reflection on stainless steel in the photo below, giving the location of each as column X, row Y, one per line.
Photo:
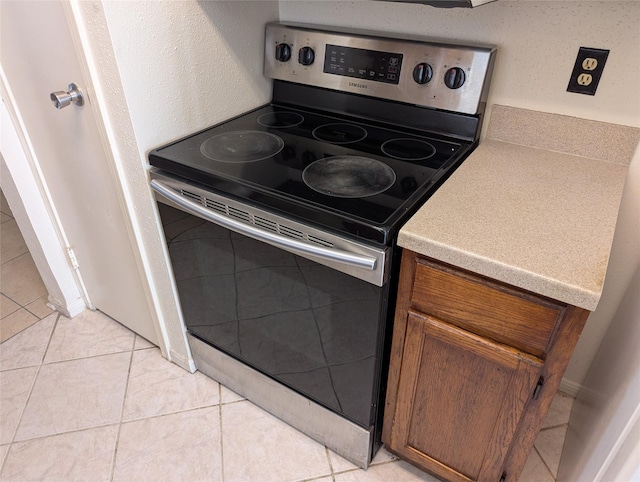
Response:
column 343, row 436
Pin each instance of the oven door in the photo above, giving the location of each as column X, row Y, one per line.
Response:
column 302, row 306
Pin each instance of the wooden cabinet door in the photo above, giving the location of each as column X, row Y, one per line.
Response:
column 460, row 400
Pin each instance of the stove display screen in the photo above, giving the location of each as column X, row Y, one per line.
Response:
column 363, row 64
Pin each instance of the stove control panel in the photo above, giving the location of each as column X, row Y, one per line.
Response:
column 363, row 64
column 440, row 75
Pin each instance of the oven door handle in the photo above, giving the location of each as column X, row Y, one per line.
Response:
column 337, row 255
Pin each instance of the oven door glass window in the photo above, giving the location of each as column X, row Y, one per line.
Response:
column 310, row 327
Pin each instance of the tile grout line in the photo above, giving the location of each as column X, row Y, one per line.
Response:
column 57, row 434
column 86, row 357
column 551, row 427
column 33, row 383
column 20, row 307
column 356, row 469
column 544, row 462
column 220, row 431
column 124, row 401
column 34, row 314
column 326, row 452
column 15, row 257
column 4, row 458
column 176, row 412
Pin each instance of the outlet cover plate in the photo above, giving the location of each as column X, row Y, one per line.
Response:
column 587, row 70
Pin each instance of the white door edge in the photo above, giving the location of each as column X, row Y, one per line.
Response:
column 39, row 222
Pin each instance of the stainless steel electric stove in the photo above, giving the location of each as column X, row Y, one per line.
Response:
column 281, row 223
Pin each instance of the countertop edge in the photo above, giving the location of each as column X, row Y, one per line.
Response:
column 505, row 273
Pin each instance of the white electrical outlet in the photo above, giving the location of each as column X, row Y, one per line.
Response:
column 589, row 63
column 585, row 79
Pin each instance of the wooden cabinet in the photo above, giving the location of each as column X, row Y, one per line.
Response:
column 474, row 367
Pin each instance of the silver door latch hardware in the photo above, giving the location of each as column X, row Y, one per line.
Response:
column 62, row 99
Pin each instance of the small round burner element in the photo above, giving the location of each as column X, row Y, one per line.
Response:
column 407, row 149
column 280, row 120
column 339, row 133
column 241, row 146
column 349, row 176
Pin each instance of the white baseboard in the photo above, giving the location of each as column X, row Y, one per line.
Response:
column 68, row 310
column 569, row 387
column 187, row 364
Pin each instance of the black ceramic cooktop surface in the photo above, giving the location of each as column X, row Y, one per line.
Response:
column 335, row 170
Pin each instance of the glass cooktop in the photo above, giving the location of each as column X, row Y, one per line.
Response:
column 297, row 160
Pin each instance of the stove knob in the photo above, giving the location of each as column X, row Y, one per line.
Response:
column 283, row 52
column 454, row 78
column 422, row 73
column 306, row 56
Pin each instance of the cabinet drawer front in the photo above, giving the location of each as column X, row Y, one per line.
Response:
column 490, row 309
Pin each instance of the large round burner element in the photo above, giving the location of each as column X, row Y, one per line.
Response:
column 348, row 176
column 280, row 120
column 407, row 149
column 241, row 146
column 339, row 133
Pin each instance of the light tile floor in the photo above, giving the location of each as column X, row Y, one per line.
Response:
column 87, row 399
column 23, row 296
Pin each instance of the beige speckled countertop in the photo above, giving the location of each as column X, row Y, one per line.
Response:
column 535, row 205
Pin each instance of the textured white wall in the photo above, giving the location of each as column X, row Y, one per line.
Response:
column 537, row 44
column 603, row 440
column 186, row 65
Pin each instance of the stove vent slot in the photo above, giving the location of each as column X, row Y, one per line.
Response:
column 320, row 241
column 191, row 195
column 257, row 221
column 291, row 233
column 265, row 224
column 215, row 205
column 239, row 214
